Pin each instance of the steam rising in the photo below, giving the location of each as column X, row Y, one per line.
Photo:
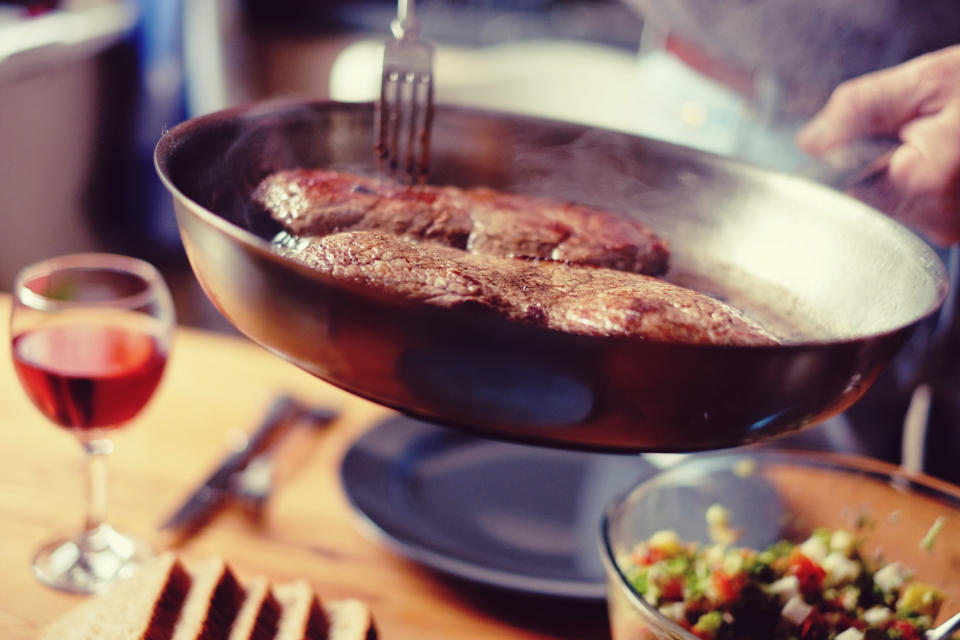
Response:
column 808, row 46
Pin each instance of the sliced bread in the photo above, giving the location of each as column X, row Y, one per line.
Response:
column 212, row 604
column 143, row 607
column 303, row 618
column 165, row 601
column 259, row 618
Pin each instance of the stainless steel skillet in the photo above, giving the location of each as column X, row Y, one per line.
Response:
column 840, row 282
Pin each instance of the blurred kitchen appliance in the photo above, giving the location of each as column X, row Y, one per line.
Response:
column 519, row 54
column 65, row 85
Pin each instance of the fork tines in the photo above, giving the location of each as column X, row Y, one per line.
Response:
column 405, row 109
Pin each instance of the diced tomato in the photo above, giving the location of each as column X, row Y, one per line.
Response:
column 648, row 556
column 809, row 573
column 727, row 587
column 673, row 589
column 813, row 627
column 907, row 630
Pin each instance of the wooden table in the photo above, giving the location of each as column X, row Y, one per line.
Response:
column 215, row 384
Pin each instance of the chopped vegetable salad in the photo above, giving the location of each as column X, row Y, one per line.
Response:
column 821, row 589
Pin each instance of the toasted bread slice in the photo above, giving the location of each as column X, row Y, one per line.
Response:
column 259, row 618
column 350, row 620
column 143, row 607
column 212, row 604
column 165, row 601
column 303, row 618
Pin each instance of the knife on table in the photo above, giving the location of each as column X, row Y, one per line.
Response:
column 209, row 497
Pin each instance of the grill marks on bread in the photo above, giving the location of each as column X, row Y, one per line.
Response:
column 318, row 202
column 259, row 617
column 302, row 615
column 212, row 604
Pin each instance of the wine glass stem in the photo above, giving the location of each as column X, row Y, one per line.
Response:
column 96, row 452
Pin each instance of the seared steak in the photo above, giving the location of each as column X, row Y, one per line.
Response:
column 320, row 202
column 581, row 300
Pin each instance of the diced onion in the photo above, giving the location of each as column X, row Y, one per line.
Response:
column 675, row 611
column 666, row 541
column 796, row 610
column 890, row 577
column 877, row 616
column 842, row 541
column 786, row 587
column 840, row 569
column 814, row 548
column 850, row 634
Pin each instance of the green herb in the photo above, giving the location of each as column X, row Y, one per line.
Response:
column 639, row 582
column 864, row 521
column 763, row 572
column 677, row 565
column 927, row 543
column 710, row 621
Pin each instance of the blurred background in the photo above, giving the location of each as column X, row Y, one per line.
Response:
column 88, row 86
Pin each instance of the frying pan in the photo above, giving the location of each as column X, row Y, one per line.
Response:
column 842, row 284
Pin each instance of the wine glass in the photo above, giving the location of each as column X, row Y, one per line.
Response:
column 90, row 337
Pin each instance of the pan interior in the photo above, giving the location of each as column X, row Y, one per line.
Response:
column 811, row 264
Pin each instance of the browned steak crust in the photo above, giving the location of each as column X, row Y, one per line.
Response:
column 481, row 221
column 581, row 300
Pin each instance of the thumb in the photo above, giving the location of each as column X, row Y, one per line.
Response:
column 878, row 103
column 928, row 162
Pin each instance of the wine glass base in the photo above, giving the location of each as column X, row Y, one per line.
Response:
column 90, row 562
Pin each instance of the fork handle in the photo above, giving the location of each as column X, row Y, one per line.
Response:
column 406, row 23
column 944, row 630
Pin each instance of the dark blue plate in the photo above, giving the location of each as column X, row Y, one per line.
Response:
column 505, row 515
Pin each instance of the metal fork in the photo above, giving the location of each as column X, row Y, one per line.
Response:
column 405, row 110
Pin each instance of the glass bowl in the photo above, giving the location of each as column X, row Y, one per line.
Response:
column 775, row 494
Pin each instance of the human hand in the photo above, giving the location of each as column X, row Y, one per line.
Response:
column 919, row 103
